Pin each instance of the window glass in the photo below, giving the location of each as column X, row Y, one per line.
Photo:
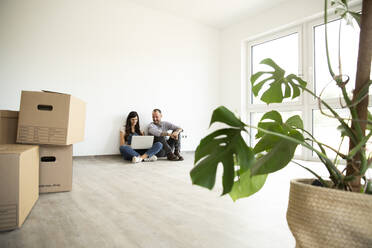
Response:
column 284, row 52
column 287, row 52
column 348, row 50
column 325, row 131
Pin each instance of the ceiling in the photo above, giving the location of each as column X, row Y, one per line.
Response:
column 214, row 13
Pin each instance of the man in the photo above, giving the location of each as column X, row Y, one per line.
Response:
column 160, row 130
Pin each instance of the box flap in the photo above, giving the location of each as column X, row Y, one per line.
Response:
column 46, row 91
column 54, row 92
column 76, row 129
column 8, row 114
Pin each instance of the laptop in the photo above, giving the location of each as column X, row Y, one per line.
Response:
column 142, row 142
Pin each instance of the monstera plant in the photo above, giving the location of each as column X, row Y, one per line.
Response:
column 337, row 214
column 245, row 168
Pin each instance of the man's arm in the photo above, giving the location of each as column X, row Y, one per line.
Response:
column 170, row 126
column 154, row 130
column 175, row 134
column 165, row 134
column 175, row 130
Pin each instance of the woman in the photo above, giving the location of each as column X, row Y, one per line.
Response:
column 132, row 128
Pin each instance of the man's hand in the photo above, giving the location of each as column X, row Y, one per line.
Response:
column 174, row 135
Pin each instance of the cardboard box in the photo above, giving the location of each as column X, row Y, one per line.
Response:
column 50, row 118
column 8, row 126
column 19, row 183
column 55, row 168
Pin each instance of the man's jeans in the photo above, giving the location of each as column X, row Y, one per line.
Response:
column 128, row 152
column 169, row 145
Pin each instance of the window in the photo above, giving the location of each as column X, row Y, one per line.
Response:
column 348, row 50
column 301, row 50
column 286, row 50
column 283, row 50
column 325, row 131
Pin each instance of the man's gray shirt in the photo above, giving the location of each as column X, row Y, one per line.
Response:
column 163, row 126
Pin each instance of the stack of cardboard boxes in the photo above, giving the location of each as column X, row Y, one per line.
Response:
column 53, row 122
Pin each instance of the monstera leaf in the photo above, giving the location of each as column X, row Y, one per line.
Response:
column 279, row 150
column 272, row 121
column 276, row 79
column 247, row 185
column 222, row 114
column 278, row 156
column 225, row 146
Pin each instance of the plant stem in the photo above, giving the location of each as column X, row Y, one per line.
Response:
column 312, row 172
column 320, row 144
column 326, row 37
column 362, row 78
column 335, row 174
column 342, row 122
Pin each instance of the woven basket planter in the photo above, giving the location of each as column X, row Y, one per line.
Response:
column 323, row 217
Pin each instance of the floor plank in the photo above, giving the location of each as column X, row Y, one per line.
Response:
column 115, row 203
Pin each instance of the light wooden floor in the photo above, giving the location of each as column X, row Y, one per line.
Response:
column 118, row 204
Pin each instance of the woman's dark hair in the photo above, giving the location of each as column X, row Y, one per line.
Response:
column 128, row 129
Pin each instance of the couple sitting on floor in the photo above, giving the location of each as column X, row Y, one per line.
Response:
column 159, row 129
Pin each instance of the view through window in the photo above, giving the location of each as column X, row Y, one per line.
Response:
column 287, row 49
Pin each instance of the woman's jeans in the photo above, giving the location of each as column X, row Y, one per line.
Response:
column 128, row 152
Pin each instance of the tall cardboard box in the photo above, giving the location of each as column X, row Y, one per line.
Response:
column 8, row 126
column 55, row 168
column 50, row 118
column 19, row 183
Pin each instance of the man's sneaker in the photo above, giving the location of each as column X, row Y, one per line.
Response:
column 136, row 159
column 180, row 158
column 151, row 159
column 172, row 157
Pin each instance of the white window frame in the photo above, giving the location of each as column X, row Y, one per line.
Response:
column 306, row 103
column 312, row 104
column 296, row 105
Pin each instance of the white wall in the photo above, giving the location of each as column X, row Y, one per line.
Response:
column 232, row 38
column 116, row 56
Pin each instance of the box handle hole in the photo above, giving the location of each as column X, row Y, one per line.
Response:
column 45, row 107
column 48, row 159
